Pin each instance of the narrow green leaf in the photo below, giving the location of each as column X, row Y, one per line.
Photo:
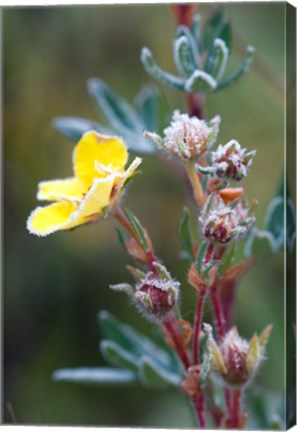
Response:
column 138, row 229
column 96, row 376
column 200, row 82
column 121, row 236
column 185, row 232
column 259, row 243
column 74, row 127
column 200, row 256
column 209, row 266
column 275, row 217
column 182, row 57
column 131, row 340
column 244, row 67
column 136, row 143
column 207, row 365
column 154, row 70
column 117, row 111
column 290, row 224
column 152, row 108
column 196, row 29
column 212, row 26
column 275, row 220
column 117, row 356
column 189, row 50
column 217, row 59
column 225, row 33
column 153, row 376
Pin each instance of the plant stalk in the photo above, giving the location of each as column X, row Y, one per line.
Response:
column 124, row 221
column 196, row 185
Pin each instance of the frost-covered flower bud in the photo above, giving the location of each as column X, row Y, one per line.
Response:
column 187, row 137
column 157, row 295
column 231, row 161
column 221, row 223
column 237, row 360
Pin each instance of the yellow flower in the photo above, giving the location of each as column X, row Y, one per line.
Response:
column 99, row 177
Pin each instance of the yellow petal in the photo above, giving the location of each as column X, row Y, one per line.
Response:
column 121, row 178
column 96, row 199
column 70, row 189
column 46, row 220
column 104, row 149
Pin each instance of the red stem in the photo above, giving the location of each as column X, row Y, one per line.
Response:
column 195, row 105
column 235, row 418
column 172, row 328
column 228, row 400
column 124, row 221
column 197, row 324
column 200, row 409
column 218, row 311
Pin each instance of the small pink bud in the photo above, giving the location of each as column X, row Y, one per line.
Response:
column 236, row 359
column 157, row 294
column 231, row 161
column 221, row 223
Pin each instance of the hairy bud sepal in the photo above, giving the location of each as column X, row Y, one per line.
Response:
column 156, row 295
column 237, row 360
column 221, row 223
column 231, row 161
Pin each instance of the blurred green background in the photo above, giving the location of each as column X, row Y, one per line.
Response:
column 54, row 287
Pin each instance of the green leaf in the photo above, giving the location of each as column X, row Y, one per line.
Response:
column 132, row 341
column 185, row 232
column 259, row 243
column 152, row 108
column 121, row 236
column 207, row 364
column 275, row 220
column 186, row 51
column 200, row 82
column 156, row 72
column 138, row 229
column 117, row 111
column 195, row 30
column 212, row 26
column 225, row 33
column 200, row 256
column 96, row 376
column 138, row 144
column 275, row 217
column 153, row 376
column 117, row 356
column 217, row 59
column 244, row 67
column 182, row 57
column 228, row 258
column 263, row 406
column 75, row 127
column 290, row 224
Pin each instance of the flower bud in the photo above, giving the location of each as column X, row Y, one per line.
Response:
column 221, row 223
column 231, row 161
column 236, row 359
column 187, row 137
column 156, row 295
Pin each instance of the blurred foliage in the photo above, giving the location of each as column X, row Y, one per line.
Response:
column 54, row 287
